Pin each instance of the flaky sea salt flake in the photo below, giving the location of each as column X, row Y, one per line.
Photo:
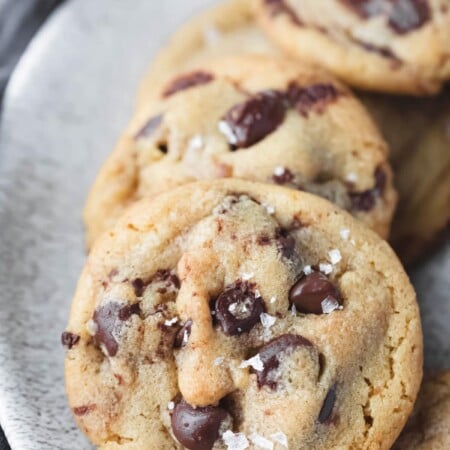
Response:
column 280, row 437
column 307, row 270
column 254, row 362
column 247, row 276
column 235, row 441
column 218, row 361
column 226, row 130
column 170, row 406
column 325, row 268
column 91, row 327
column 334, row 256
column 261, row 441
column 170, row 322
column 267, row 320
column 329, row 305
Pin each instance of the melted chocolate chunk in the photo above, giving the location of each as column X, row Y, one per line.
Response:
column 182, row 336
column 166, row 275
column 238, row 309
column 310, row 291
column 138, row 286
column 108, row 319
column 270, row 356
column 365, row 201
column 197, row 428
column 251, row 121
column 83, row 410
column 284, row 177
column 403, row 15
column 187, row 81
column 311, row 98
column 285, row 242
column 149, row 128
column 408, row 15
column 277, row 7
column 69, row 339
column 328, row 405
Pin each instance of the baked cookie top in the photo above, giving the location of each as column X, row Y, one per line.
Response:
column 226, row 29
column 429, row 425
column 230, row 314
column 397, row 46
column 256, row 118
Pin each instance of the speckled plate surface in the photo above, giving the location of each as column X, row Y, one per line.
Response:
column 67, row 102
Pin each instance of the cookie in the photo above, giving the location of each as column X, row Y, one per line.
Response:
column 392, row 46
column 418, row 133
column 257, row 118
column 230, row 314
column 227, row 29
column 429, row 425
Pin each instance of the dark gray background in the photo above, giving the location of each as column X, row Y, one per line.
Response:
column 19, row 20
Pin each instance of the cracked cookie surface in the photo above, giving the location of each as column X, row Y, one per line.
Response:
column 257, row 118
column 429, row 426
column 230, row 314
column 398, row 46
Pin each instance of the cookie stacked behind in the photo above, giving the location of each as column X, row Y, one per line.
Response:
column 256, row 118
column 416, row 128
column 230, row 314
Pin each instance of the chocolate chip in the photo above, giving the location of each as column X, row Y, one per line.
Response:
column 108, row 319
column 270, row 356
column 403, row 15
column 166, row 275
column 69, row 339
column 385, row 52
column 251, row 121
column 310, row 291
column 283, row 176
column 285, row 242
column 238, row 309
column 149, row 128
column 83, row 410
column 365, row 201
column 187, row 81
column 182, row 336
column 138, row 286
column 198, row 428
column 328, row 405
column 311, row 98
column 277, row 7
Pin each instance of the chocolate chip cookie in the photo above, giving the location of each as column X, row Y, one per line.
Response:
column 230, row 314
column 397, row 46
column 429, row 425
column 227, row 29
column 418, row 132
column 256, row 118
